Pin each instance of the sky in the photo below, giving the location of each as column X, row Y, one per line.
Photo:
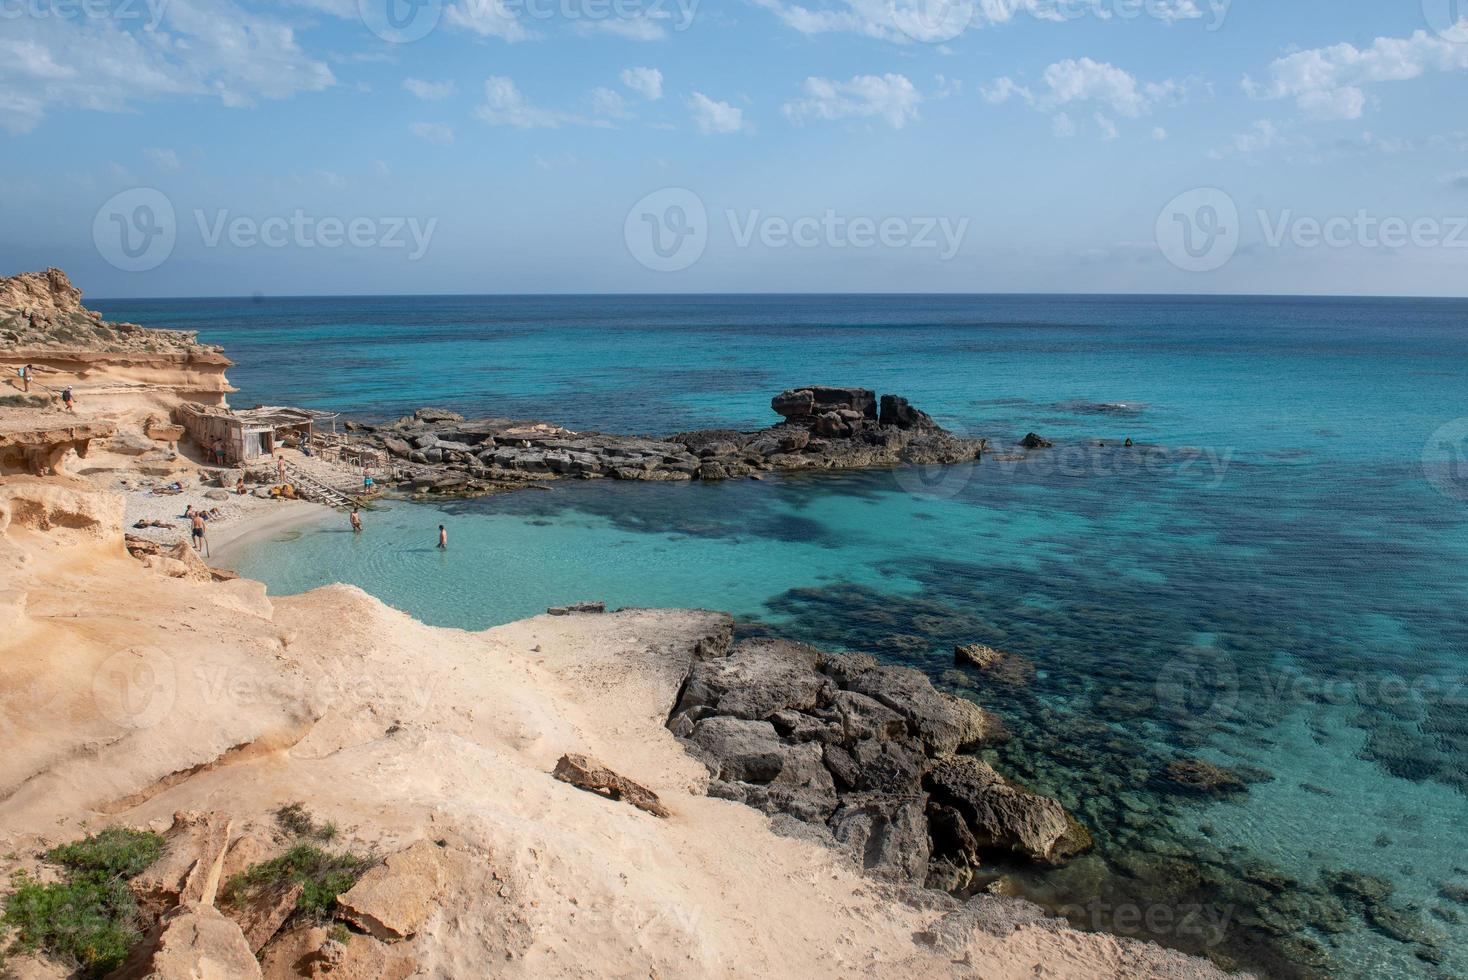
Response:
column 224, row 148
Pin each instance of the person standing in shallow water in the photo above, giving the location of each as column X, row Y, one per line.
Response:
column 356, row 519
column 443, row 537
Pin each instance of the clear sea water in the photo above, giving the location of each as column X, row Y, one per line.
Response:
column 1272, row 579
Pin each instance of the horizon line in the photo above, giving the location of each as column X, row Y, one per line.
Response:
column 255, row 297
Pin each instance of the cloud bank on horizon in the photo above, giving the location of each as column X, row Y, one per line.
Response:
column 225, row 147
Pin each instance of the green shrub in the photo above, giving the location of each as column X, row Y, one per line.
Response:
column 115, row 852
column 322, row 876
column 295, row 820
column 89, row 921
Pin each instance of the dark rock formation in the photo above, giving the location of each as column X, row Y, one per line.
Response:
column 1033, row 441
column 897, row 412
column 864, row 757
column 1002, row 816
column 822, row 428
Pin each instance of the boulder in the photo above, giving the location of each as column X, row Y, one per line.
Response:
column 887, row 835
column 261, row 917
column 191, row 865
column 794, row 403
column 585, row 774
column 996, row 665
column 1001, row 816
column 1033, row 441
column 945, row 723
column 309, row 951
column 896, row 411
column 394, row 899
column 1199, row 777
column 398, row 447
column 197, row 941
column 757, row 678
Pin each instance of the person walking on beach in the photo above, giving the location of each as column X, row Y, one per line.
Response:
column 25, row 378
column 280, row 467
column 67, row 400
column 356, row 519
column 443, row 537
column 367, row 481
column 201, row 543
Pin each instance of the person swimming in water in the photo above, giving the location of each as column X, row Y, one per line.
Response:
column 356, row 519
column 443, row 537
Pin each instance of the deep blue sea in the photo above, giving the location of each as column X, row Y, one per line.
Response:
column 1273, row 578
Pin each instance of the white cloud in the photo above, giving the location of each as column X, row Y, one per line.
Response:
column 1083, row 82
column 1159, row 134
column 210, row 48
column 1063, row 126
column 606, row 102
column 899, row 22
column 487, row 18
column 1263, row 135
column 440, row 133
column 646, row 82
column 711, row 116
column 163, row 159
column 890, row 97
column 645, row 27
column 429, row 91
column 1329, row 83
column 505, row 105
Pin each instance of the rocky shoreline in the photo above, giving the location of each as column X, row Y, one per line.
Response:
column 438, row 451
column 867, row 759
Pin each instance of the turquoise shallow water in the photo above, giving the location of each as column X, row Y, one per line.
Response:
column 1273, row 579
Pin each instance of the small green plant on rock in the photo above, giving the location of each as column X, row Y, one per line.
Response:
column 90, row 920
column 322, row 877
column 296, row 821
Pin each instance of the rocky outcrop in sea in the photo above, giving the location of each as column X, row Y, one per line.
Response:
column 820, row 428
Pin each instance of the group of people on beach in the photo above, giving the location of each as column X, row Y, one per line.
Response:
column 27, row 374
